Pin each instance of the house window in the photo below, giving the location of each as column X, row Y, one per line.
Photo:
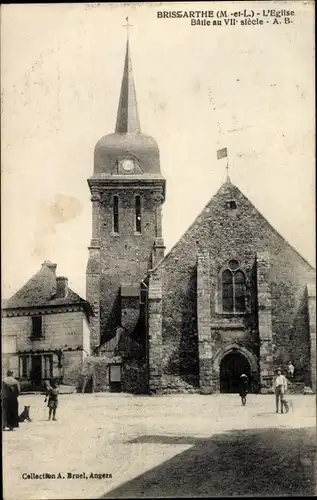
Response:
column 233, row 289
column 138, row 214
column 36, row 327
column 23, row 366
column 115, row 214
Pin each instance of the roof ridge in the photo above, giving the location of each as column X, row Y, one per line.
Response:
column 231, row 186
column 184, row 233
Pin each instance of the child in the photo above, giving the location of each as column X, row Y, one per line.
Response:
column 290, row 370
column 243, row 388
column 52, row 395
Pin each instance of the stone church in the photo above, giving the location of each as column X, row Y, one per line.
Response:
column 232, row 295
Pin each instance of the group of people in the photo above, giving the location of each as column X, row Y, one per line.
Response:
column 11, row 391
column 280, row 387
column 10, row 404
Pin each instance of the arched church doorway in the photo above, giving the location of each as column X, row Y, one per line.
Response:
column 231, row 368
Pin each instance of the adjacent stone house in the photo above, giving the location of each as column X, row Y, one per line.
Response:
column 45, row 330
column 232, row 296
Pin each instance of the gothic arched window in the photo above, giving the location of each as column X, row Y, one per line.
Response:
column 115, row 214
column 233, row 288
column 138, row 214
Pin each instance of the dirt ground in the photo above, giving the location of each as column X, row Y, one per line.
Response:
column 180, row 445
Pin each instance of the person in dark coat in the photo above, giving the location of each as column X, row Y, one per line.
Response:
column 10, row 405
column 243, row 388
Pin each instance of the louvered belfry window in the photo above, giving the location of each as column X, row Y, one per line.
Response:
column 115, row 214
column 138, row 226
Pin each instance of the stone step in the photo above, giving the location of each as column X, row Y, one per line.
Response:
column 296, row 387
column 174, row 384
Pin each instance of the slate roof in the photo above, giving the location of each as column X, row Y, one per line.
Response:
column 41, row 291
column 121, row 342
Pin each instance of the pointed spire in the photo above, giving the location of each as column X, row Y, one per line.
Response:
column 128, row 116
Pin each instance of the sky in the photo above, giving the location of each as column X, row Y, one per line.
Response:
column 199, row 89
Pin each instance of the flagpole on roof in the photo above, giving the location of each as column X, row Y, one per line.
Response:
column 227, row 168
column 223, row 153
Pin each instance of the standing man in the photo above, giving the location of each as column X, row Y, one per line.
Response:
column 280, row 387
column 10, row 394
column 290, row 370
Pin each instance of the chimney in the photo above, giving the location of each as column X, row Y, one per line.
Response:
column 61, row 287
column 50, row 266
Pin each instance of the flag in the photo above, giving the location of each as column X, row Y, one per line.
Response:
column 222, row 153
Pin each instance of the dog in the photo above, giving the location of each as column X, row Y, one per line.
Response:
column 287, row 404
column 25, row 415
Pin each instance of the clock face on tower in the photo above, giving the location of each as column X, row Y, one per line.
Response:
column 127, row 165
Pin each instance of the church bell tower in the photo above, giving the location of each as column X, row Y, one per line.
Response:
column 127, row 193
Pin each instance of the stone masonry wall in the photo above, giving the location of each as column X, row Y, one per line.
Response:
column 204, row 324
column 72, row 366
column 9, row 362
column 155, row 354
column 289, row 278
column 93, row 272
column 227, row 233
column 125, row 257
column 311, row 296
column 134, row 377
column 265, row 321
column 62, row 330
column 93, row 294
column 300, row 342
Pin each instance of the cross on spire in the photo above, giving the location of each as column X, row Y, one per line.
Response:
column 127, row 116
column 127, row 26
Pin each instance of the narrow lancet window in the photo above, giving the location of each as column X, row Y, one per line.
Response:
column 233, row 289
column 115, row 209
column 227, row 291
column 138, row 214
